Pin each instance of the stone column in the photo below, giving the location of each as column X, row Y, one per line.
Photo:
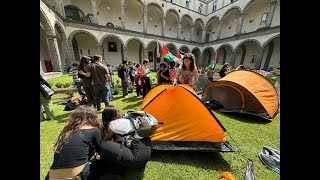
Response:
column 179, row 30
column 219, row 30
column 94, row 11
column 122, row 15
column 66, row 51
column 61, row 8
column 271, row 12
column 145, row 20
column 71, row 52
column 54, row 51
column 191, row 35
column 240, row 22
column 233, row 58
column 125, row 53
column 100, row 50
column 203, row 38
column 145, row 54
column 259, row 58
column 163, row 26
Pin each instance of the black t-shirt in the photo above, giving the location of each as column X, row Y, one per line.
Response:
column 166, row 73
column 222, row 73
column 80, row 148
column 85, row 68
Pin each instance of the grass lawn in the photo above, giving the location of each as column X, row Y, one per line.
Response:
column 249, row 135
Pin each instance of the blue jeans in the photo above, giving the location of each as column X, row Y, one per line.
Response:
column 110, row 97
column 79, row 84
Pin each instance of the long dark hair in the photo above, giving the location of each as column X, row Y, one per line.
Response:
column 109, row 113
column 85, row 60
column 191, row 57
column 83, row 115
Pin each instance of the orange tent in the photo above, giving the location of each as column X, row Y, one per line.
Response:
column 187, row 123
column 244, row 91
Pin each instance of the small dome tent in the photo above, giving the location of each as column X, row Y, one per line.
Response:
column 187, row 123
column 243, row 91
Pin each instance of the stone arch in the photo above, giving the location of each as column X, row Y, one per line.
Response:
column 270, row 39
column 75, row 7
column 134, row 38
column 225, row 44
column 45, row 18
column 201, row 22
column 156, row 4
column 174, row 51
column 197, row 53
column 63, row 46
column 134, row 15
column 73, row 33
column 188, row 16
column 229, row 10
column 247, row 40
column 175, row 12
column 227, row 55
column 135, row 51
column 210, row 20
column 207, row 55
column 111, row 35
column 184, row 47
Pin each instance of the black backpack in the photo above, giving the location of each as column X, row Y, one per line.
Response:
column 121, row 72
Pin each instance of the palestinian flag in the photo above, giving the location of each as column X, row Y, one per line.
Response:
column 166, row 54
column 213, row 62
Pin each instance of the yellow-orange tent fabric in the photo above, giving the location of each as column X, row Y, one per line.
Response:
column 184, row 116
column 250, row 86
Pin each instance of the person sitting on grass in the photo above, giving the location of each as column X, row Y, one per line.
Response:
column 80, row 141
column 134, row 158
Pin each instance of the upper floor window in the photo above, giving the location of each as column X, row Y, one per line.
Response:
column 187, row 3
column 200, row 8
column 214, row 5
column 90, row 19
column 173, row 1
column 232, row 1
column 264, row 18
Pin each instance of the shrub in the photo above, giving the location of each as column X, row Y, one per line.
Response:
column 70, row 93
column 59, row 85
column 131, row 62
column 115, row 91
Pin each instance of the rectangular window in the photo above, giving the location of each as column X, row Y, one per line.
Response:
column 214, row 5
column 88, row 52
column 200, row 8
column 80, row 51
column 264, row 18
column 187, row 4
column 112, row 47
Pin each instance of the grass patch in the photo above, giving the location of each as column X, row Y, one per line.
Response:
column 249, row 134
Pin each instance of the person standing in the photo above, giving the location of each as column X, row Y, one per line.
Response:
column 187, row 73
column 45, row 102
column 100, row 75
column 224, row 70
column 123, row 74
column 146, row 75
column 74, row 73
column 85, row 66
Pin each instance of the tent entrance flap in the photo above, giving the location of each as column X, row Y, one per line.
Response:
column 193, row 146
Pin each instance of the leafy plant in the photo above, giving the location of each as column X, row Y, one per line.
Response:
column 115, row 91
column 70, row 93
column 59, row 85
column 65, row 85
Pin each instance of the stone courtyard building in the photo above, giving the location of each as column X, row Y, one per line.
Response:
column 240, row 31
